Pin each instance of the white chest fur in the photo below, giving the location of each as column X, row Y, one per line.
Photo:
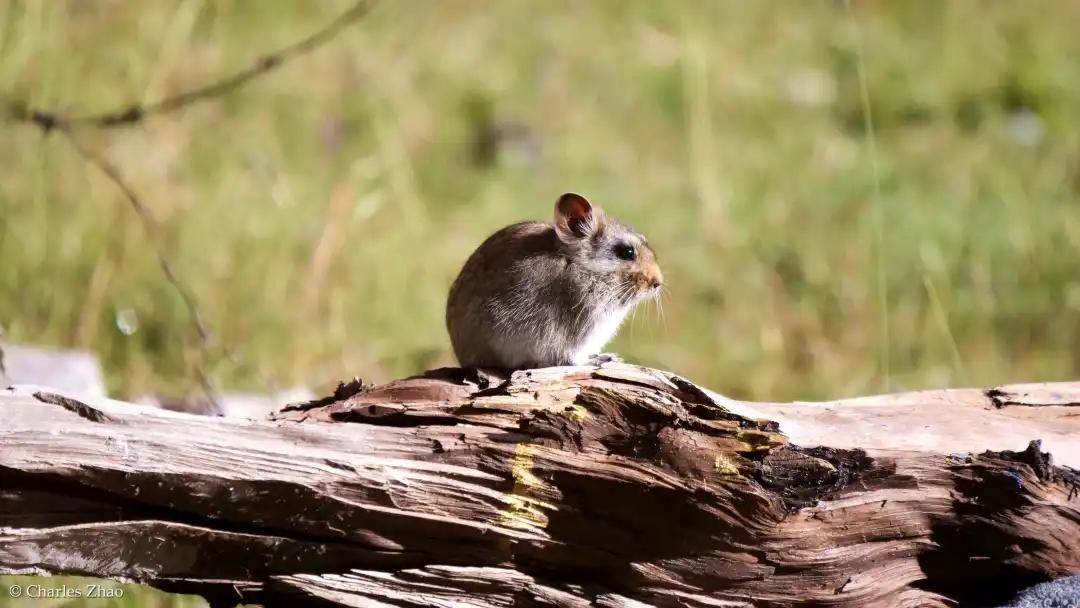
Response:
column 603, row 330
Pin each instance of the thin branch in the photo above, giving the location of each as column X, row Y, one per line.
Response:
column 136, row 112
column 150, row 225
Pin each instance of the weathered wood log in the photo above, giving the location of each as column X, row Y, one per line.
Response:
column 611, row 486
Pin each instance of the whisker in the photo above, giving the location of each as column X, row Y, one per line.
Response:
column 660, row 305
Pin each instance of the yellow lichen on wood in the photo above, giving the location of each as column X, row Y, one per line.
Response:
column 524, row 512
column 723, row 465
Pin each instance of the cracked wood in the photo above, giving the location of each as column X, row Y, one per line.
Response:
column 612, row 486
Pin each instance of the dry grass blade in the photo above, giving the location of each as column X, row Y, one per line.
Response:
column 3, row 370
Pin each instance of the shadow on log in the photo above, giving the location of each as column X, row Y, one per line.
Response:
column 610, row 486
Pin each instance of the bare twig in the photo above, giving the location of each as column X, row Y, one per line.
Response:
column 136, row 112
column 153, row 232
column 149, row 224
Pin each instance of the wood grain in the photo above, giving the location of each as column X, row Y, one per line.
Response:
column 612, row 486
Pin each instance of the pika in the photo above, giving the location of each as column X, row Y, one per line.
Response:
column 536, row 294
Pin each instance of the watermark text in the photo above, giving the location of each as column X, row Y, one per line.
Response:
column 35, row 591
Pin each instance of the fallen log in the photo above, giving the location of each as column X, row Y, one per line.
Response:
column 611, row 486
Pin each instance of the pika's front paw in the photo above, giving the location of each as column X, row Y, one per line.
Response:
column 602, row 358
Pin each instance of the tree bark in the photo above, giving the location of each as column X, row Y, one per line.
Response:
column 611, row 486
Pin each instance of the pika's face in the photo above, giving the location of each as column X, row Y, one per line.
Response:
column 623, row 257
column 610, row 257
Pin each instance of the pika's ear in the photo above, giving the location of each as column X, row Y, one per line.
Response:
column 575, row 216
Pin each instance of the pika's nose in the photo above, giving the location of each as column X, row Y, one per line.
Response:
column 656, row 279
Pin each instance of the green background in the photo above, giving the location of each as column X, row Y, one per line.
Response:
column 320, row 213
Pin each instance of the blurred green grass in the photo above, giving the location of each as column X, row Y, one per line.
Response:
column 321, row 212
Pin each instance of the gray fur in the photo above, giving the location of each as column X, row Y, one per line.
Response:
column 1062, row 593
column 536, row 294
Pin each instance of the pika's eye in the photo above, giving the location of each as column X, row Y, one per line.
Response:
column 625, row 251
